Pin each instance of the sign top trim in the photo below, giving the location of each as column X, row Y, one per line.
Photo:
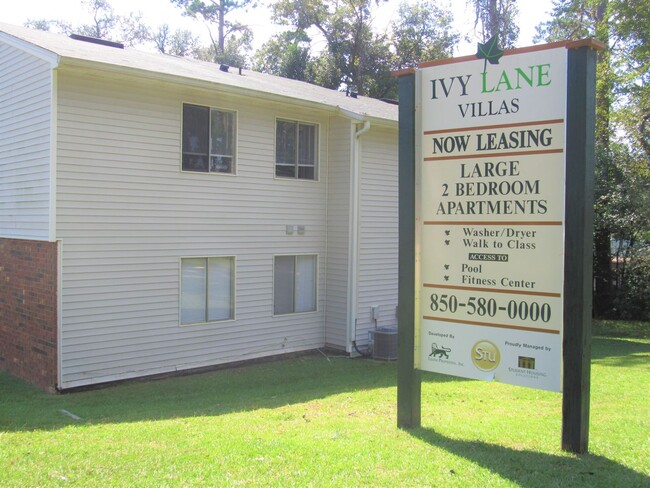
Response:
column 589, row 42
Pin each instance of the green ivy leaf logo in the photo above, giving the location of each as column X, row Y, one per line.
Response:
column 490, row 51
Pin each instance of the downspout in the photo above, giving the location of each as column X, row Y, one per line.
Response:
column 355, row 231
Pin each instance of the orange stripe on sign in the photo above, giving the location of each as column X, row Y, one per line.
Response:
column 493, row 290
column 501, row 126
column 488, row 324
column 494, row 155
column 496, row 222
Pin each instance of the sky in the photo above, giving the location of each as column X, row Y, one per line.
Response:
column 158, row 12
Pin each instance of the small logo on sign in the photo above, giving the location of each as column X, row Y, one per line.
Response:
column 486, row 355
column 526, row 363
column 439, row 351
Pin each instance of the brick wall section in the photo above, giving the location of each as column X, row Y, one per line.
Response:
column 28, row 310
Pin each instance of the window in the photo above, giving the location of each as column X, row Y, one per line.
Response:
column 207, row 289
column 208, row 139
column 296, row 149
column 294, row 284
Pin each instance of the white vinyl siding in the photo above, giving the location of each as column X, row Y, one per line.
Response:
column 25, row 138
column 379, row 233
column 338, row 230
column 127, row 214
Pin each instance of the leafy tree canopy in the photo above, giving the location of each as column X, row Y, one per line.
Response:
column 622, row 189
column 288, row 55
column 422, row 32
column 355, row 55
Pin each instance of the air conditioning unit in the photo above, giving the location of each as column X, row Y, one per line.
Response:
column 384, row 343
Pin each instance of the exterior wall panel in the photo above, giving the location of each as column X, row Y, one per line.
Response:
column 25, row 131
column 338, row 230
column 127, row 214
column 379, row 233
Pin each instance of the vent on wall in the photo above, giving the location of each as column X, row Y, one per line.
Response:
column 95, row 40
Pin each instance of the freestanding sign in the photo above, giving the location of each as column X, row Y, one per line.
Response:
column 496, row 222
column 491, row 217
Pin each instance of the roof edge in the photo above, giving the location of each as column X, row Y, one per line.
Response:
column 41, row 53
column 205, row 84
column 197, row 83
column 360, row 117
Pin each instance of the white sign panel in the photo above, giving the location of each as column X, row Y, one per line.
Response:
column 491, row 217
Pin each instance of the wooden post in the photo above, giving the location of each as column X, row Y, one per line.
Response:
column 408, row 378
column 580, row 123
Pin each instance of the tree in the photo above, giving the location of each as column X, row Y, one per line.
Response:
column 355, row 57
column 178, row 43
column 231, row 36
column 496, row 17
column 106, row 24
column 235, row 52
column 286, row 54
column 622, row 215
column 58, row 26
column 422, row 32
column 622, row 209
column 631, row 28
column 577, row 19
column 129, row 30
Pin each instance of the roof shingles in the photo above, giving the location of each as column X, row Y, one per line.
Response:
column 72, row 51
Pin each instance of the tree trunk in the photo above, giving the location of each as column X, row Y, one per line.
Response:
column 222, row 23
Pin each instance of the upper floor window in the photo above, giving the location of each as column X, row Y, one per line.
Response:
column 296, row 150
column 208, row 139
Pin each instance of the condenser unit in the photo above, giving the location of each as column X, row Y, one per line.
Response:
column 384, row 343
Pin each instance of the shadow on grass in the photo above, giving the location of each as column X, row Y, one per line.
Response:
column 620, row 352
column 529, row 468
column 239, row 389
column 245, row 388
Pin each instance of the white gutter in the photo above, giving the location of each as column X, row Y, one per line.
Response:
column 350, row 114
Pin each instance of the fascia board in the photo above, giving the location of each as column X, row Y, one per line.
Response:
column 48, row 56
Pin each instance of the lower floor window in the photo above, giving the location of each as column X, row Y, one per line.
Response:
column 207, row 289
column 294, row 284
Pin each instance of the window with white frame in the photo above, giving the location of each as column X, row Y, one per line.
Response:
column 294, row 284
column 207, row 289
column 208, row 139
column 296, row 150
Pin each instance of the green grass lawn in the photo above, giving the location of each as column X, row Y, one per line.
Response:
column 317, row 421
